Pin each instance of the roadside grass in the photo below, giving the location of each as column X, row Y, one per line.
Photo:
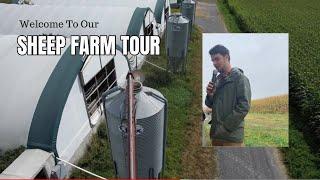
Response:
column 266, row 125
column 175, row 10
column 229, row 19
column 261, row 130
column 97, row 158
column 5, row 1
column 206, row 142
column 266, row 130
column 184, row 111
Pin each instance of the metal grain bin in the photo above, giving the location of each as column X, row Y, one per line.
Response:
column 188, row 9
column 177, row 42
column 151, row 118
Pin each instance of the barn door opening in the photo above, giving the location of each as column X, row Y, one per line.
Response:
column 166, row 11
column 103, row 80
column 148, row 24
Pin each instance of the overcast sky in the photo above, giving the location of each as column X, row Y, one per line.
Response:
column 263, row 58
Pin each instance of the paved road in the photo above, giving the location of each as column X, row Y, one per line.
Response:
column 207, row 17
column 239, row 163
column 249, row 163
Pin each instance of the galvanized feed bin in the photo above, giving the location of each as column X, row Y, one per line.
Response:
column 188, row 9
column 151, row 118
column 177, row 42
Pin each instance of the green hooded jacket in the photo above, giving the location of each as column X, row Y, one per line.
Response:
column 230, row 104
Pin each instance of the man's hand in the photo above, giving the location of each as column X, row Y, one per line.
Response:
column 211, row 89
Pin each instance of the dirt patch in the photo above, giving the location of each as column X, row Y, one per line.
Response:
column 278, row 157
column 198, row 162
column 202, row 13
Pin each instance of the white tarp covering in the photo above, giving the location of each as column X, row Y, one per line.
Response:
column 24, row 77
column 22, row 81
column 128, row 3
column 111, row 20
column 111, row 3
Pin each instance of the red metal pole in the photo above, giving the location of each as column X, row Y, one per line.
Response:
column 132, row 130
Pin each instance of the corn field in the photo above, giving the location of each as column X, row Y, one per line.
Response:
column 301, row 19
column 274, row 104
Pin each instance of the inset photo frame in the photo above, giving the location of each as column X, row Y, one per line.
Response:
column 245, row 83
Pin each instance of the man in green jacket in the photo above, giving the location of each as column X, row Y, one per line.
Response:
column 229, row 97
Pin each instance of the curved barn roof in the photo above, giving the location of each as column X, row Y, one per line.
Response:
column 111, row 20
column 23, row 79
column 157, row 6
column 41, row 102
column 47, row 115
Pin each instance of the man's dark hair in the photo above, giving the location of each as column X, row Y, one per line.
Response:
column 219, row 49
